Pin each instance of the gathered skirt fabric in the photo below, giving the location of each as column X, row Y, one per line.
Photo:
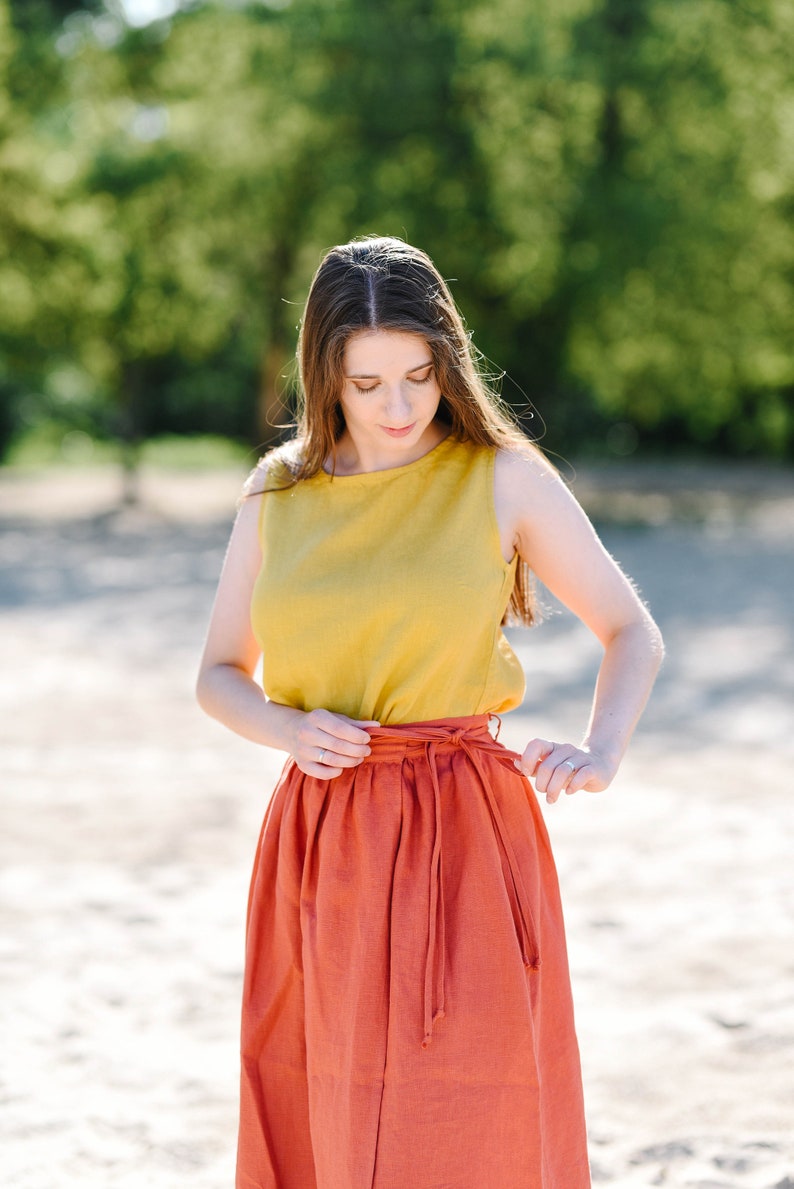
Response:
column 407, row 1016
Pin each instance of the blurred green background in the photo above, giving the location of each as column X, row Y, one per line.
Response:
column 608, row 185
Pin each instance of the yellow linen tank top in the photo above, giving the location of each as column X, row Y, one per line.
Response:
column 381, row 595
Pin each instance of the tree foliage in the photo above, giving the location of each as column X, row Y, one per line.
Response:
column 610, row 183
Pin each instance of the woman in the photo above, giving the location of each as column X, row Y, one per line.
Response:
column 407, row 1018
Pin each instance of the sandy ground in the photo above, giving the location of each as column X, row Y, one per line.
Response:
column 129, row 823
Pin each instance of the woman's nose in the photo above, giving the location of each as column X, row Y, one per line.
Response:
column 398, row 401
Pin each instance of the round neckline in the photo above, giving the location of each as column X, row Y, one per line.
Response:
column 390, row 472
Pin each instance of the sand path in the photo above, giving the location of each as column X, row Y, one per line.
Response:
column 129, row 821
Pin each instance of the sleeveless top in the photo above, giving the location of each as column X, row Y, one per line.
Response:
column 381, row 595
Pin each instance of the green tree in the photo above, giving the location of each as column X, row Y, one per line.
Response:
column 36, row 249
column 608, row 183
column 644, row 165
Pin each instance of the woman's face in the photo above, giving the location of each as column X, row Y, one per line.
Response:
column 389, row 397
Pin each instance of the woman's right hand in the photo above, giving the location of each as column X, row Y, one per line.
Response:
column 323, row 744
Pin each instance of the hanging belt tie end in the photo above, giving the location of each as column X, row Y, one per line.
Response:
column 426, row 1039
column 435, row 960
column 435, row 957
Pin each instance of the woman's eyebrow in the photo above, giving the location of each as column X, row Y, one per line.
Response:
column 366, row 376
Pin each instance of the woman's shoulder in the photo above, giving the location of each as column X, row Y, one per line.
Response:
column 526, row 483
column 275, row 470
column 524, row 462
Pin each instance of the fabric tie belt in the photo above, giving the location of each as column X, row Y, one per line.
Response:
column 472, row 736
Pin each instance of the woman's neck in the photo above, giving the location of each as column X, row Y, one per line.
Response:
column 357, row 458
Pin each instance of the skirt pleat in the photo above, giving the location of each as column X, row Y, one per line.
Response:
column 407, row 1015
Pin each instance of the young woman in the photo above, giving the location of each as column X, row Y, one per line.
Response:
column 407, row 1017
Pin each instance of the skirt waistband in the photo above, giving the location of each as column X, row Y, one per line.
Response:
column 451, row 732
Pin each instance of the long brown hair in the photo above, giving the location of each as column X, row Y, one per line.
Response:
column 383, row 283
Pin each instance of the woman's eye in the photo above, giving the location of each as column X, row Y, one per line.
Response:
column 371, row 388
column 424, row 379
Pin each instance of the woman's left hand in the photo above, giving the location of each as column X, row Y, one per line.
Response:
column 562, row 768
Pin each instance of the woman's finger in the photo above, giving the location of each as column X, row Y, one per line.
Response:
column 556, row 771
column 534, row 753
column 357, row 722
column 561, row 767
column 335, row 754
column 577, row 780
column 327, row 743
column 321, row 731
column 321, row 771
column 337, row 746
column 339, row 726
column 551, row 764
column 566, row 777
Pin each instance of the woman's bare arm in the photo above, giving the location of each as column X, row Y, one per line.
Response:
column 321, row 742
column 550, row 531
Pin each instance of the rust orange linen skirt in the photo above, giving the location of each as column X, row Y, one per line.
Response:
column 407, row 1016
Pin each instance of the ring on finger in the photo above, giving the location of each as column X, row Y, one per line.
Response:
column 569, row 764
column 321, row 756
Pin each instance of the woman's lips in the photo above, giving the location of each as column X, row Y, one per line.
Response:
column 402, row 432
